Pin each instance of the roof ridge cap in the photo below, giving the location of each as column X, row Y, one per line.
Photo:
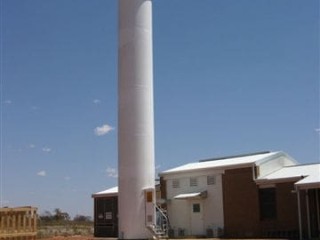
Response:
column 235, row 156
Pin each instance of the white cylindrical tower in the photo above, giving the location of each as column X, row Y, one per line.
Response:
column 135, row 118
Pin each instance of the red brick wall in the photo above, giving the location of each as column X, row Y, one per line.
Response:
column 286, row 224
column 241, row 203
column 242, row 210
column 287, row 207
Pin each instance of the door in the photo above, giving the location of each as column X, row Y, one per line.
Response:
column 197, row 223
column 106, row 217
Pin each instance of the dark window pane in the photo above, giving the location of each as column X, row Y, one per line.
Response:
column 196, row 207
column 268, row 204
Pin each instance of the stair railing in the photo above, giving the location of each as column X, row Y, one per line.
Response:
column 162, row 220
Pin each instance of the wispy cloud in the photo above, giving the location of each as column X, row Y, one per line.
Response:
column 46, row 149
column 42, row 173
column 32, row 145
column 103, row 130
column 112, row 172
column 96, row 101
column 7, row 101
column 67, row 178
column 317, row 130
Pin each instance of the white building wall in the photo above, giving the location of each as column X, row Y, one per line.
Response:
column 214, row 217
column 178, row 215
column 179, row 211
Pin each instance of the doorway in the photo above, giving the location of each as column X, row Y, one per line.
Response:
column 196, row 218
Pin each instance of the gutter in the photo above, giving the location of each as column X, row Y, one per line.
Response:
column 278, row 180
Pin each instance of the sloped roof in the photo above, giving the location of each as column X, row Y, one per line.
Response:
column 107, row 193
column 224, row 163
column 309, row 175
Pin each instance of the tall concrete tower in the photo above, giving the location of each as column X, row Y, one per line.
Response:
column 135, row 120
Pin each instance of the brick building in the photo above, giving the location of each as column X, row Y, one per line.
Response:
column 256, row 195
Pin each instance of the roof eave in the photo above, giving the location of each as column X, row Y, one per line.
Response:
column 220, row 168
column 104, row 195
column 314, row 185
column 277, row 180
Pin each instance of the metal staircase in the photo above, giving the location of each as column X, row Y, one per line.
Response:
column 160, row 229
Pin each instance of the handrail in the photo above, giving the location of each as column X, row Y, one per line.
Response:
column 163, row 215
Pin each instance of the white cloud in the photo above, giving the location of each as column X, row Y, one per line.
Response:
column 42, row 173
column 96, row 101
column 317, row 130
column 67, row 178
column 46, row 149
column 103, row 130
column 32, row 145
column 7, row 101
column 112, row 172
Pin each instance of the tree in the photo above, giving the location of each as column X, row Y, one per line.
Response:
column 46, row 216
column 81, row 218
column 61, row 216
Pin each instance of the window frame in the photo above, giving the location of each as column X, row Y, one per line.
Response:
column 196, row 208
column 175, row 183
column 211, row 180
column 193, row 181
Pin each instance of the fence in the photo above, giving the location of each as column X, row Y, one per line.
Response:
column 18, row 223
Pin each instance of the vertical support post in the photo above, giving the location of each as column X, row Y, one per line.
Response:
column 35, row 222
column 8, row 221
column 1, row 223
column 24, row 221
column 14, row 215
column 135, row 116
column 318, row 211
column 308, row 213
column 299, row 213
column 18, row 221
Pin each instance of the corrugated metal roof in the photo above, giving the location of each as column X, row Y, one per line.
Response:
column 108, row 192
column 309, row 174
column 223, row 163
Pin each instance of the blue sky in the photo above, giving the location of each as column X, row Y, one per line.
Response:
column 230, row 77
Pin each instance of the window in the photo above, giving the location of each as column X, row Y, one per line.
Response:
column 196, row 208
column 211, row 180
column 175, row 183
column 193, row 182
column 149, row 196
column 268, row 205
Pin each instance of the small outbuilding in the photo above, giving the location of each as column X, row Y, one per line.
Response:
column 106, row 220
column 106, row 213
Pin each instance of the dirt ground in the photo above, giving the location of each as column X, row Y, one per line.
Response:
column 74, row 238
column 93, row 238
column 70, row 238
